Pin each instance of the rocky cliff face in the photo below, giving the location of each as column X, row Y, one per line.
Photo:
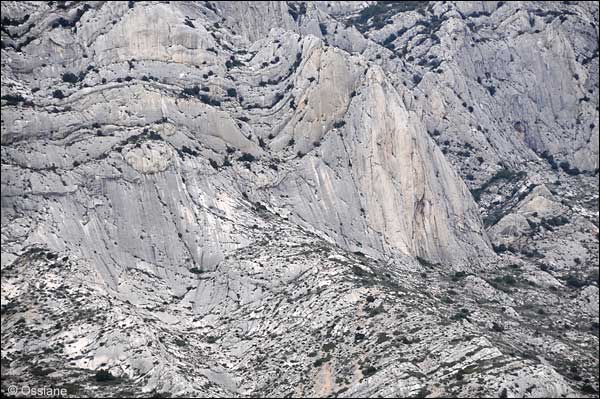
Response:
column 301, row 198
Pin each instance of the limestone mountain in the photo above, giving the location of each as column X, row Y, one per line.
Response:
column 300, row 198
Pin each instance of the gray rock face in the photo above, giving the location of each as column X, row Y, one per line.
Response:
column 301, row 198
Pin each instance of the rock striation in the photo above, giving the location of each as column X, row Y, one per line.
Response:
column 300, row 198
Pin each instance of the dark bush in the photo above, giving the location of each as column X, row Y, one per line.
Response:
column 424, row 262
column 103, row 375
column 246, row 157
column 554, row 221
column 191, row 91
column 187, row 150
column 328, row 347
column 231, row 92
column 6, row 21
column 507, row 279
column 462, row 314
column 588, row 388
column 458, row 276
column 368, row 371
column 566, row 167
column 319, row 362
column 13, row 99
column 58, row 94
column 210, row 101
column 41, row 372
column 232, row 62
column 65, row 23
column 574, row 281
column 70, row 77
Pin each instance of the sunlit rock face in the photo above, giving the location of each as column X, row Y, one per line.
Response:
column 301, row 198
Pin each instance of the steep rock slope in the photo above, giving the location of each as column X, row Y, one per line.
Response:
column 132, row 81
column 192, row 192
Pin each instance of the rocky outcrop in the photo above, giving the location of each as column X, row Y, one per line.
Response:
column 297, row 198
column 355, row 148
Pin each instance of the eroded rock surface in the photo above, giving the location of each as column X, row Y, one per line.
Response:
column 301, row 198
